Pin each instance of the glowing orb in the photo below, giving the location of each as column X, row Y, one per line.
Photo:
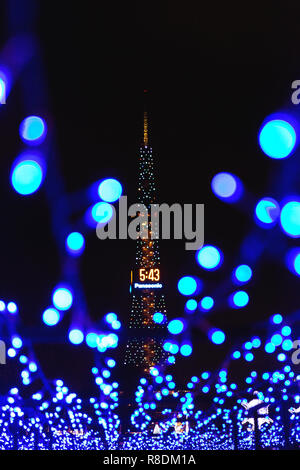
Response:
column 158, row 317
column 240, row 298
column 267, row 211
column 76, row 336
column 277, row 139
column 209, row 257
column 186, row 350
column 290, row 218
column 102, row 212
column 206, row 303
column 243, row 273
column 75, row 243
column 110, row 190
column 175, row 326
column 51, row 316
column 33, row 129
column 226, row 186
column 187, row 285
column 27, row 177
column 217, row 336
column 62, row 298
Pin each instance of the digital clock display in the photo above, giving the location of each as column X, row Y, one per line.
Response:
column 152, row 274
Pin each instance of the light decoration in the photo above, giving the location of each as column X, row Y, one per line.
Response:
column 277, row 138
column 267, row 211
column 290, row 218
column 33, row 130
column 227, row 187
column 110, row 190
column 209, row 257
column 27, row 175
column 62, row 298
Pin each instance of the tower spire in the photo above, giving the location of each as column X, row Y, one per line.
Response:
column 146, row 135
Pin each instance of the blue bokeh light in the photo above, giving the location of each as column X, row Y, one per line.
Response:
column 290, row 218
column 33, row 130
column 158, row 317
column 187, row 285
column 277, row 138
column 209, row 257
column 267, row 211
column 102, row 212
column 75, row 243
column 175, row 326
column 62, row 298
column 217, row 336
column 206, row 303
column 227, row 187
column 92, row 339
column 110, row 190
column 51, row 316
column 186, row 350
column 293, row 261
column 76, row 336
column 239, row 299
column 243, row 273
column 276, row 319
column 191, row 305
column 26, row 176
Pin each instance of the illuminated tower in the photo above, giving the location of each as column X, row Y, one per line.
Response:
column 144, row 346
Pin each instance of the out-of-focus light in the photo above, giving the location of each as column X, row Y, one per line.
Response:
column 186, row 350
column 175, row 326
column 76, row 336
column 277, row 318
column 243, row 273
column 239, row 299
column 12, row 307
column 2, row 90
column 102, row 212
column 267, row 211
column 2, row 306
column 206, row 303
column 26, row 176
column 33, row 130
column 277, row 138
column 110, row 317
column 290, row 218
column 269, row 348
column 191, row 305
column 51, row 316
column 92, row 340
column 281, row 357
column 293, row 261
column 236, row 354
column 75, row 243
column 286, row 330
column 187, row 285
column 217, row 336
column 17, row 342
column 209, row 257
column 227, row 187
column 276, row 339
column 11, row 352
column 158, row 317
column 110, row 190
column 287, row 345
column 62, row 298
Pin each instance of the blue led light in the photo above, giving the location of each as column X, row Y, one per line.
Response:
column 191, row 305
column 26, row 176
column 287, row 345
column 236, row 354
column 158, row 317
column 2, row 90
column 17, row 342
column 175, row 326
column 206, row 303
column 277, row 318
column 110, row 317
column 277, row 138
column 243, row 273
column 293, row 261
column 51, row 316
column 92, row 339
column 227, row 187
column 290, row 218
column 76, row 336
column 217, row 336
column 267, row 211
column 186, row 350
column 62, row 298
column 75, row 243
column 286, row 331
column 12, row 307
column 187, row 285
column 276, row 339
column 110, row 190
column 33, row 130
column 102, row 212
column 269, row 348
column 209, row 257
column 240, row 299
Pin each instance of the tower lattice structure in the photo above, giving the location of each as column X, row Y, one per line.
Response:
column 144, row 346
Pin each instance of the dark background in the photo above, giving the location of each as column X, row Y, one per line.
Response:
column 214, row 72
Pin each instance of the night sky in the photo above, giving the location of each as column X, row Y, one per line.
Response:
column 213, row 74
